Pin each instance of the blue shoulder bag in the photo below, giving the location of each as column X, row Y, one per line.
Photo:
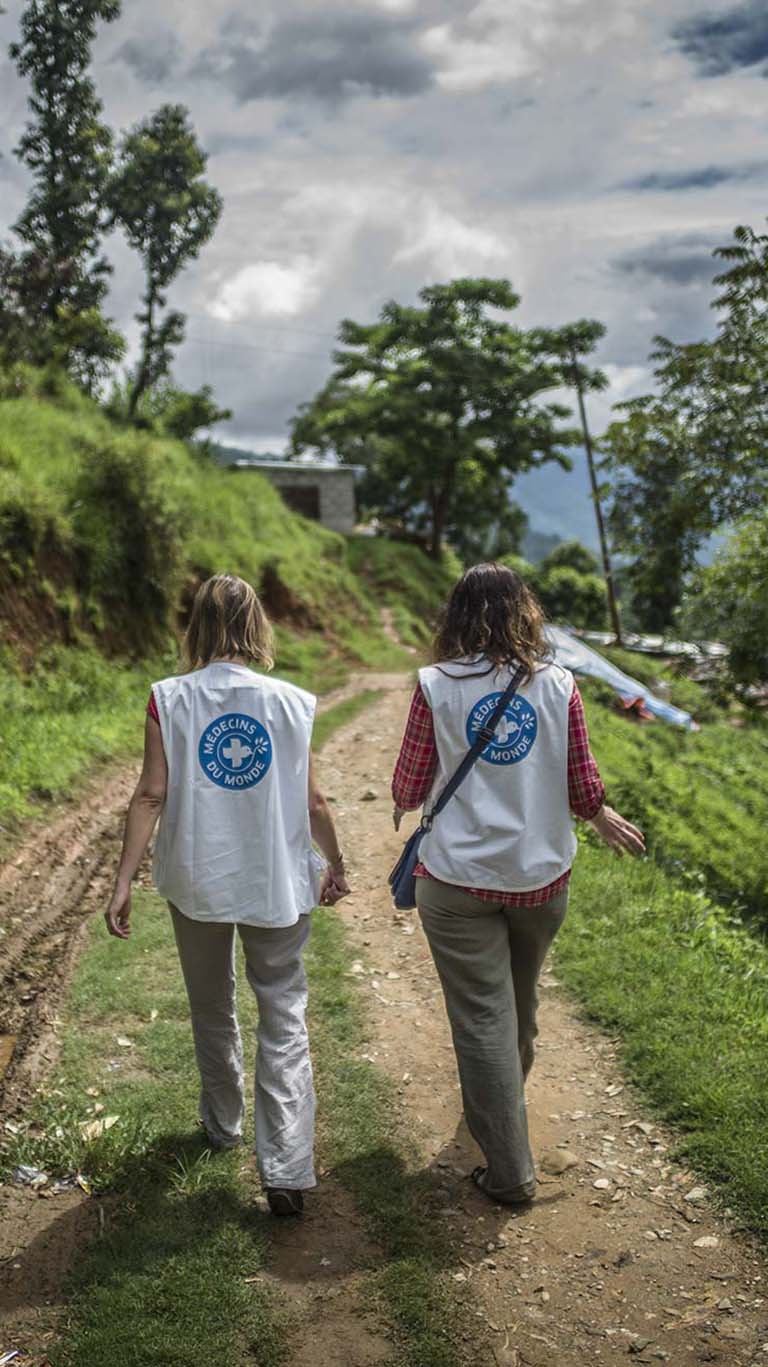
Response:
column 402, row 880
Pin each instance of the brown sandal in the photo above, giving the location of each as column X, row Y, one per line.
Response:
column 524, row 1199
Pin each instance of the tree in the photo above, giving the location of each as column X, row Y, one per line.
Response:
column 574, row 556
column 657, row 516
column 158, row 196
column 168, row 409
column 443, row 405
column 579, row 340
column 729, row 600
column 691, row 457
column 61, row 280
column 578, row 600
column 493, row 525
column 567, row 583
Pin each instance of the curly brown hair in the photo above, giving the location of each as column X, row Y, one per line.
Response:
column 492, row 613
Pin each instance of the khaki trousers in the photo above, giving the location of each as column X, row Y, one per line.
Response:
column 489, row 958
column 284, row 1096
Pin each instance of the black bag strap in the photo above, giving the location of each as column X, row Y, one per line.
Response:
column 484, row 735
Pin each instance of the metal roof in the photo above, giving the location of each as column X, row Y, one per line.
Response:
column 315, row 466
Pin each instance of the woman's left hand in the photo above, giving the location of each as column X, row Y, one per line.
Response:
column 117, row 915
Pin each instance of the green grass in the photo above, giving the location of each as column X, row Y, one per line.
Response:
column 218, row 518
column 106, row 529
column 366, row 1141
column 701, row 797
column 342, row 712
column 686, row 986
column 166, row 1280
column 104, row 534
column 76, row 709
column 406, row 581
column 58, row 721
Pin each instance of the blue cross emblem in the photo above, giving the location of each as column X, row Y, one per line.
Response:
column 235, row 751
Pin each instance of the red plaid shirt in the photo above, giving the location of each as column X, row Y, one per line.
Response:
column 415, row 772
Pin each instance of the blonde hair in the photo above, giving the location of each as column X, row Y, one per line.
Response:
column 228, row 619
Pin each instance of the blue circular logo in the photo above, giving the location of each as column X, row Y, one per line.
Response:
column 514, row 733
column 235, row 751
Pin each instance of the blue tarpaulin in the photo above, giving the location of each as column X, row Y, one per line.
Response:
column 575, row 655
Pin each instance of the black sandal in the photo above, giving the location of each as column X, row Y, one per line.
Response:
column 285, row 1201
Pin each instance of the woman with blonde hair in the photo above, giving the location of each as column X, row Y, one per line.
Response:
column 492, row 881
column 228, row 770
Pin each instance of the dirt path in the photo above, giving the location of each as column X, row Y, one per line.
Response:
column 608, row 1273
column 620, row 1258
column 53, row 880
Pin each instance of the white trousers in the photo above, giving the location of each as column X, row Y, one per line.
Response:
column 284, row 1095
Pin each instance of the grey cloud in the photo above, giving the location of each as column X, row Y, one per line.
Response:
column 719, row 43
column 697, row 178
column 152, row 59
column 324, row 56
column 679, row 260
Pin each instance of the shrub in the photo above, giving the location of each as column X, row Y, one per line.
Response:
column 128, row 540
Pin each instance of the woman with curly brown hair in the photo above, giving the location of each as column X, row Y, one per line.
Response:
column 492, row 884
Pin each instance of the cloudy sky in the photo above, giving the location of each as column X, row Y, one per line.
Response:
column 594, row 153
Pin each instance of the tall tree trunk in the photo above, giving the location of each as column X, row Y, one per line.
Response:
column 143, row 372
column 439, row 511
column 613, row 608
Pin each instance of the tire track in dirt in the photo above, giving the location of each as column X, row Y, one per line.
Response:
column 56, row 876
column 52, row 882
column 622, row 1258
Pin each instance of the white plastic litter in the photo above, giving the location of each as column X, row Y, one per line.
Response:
column 580, row 658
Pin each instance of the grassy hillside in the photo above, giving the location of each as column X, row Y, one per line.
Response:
column 686, row 987
column 700, row 797
column 105, row 533
column 109, row 529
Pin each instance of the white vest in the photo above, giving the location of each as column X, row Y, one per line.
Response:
column 234, row 842
column 508, row 827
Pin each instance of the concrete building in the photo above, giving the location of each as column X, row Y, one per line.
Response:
column 325, row 493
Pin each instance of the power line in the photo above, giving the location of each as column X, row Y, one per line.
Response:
column 259, row 327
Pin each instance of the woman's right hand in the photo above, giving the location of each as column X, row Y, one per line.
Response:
column 117, row 915
column 333, row 887
column 621, row 835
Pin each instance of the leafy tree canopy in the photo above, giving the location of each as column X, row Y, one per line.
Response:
column 167, row 211
column 567, row 584
column 442, row 402
column 729, row 600
column 573, row 555
column 56, row 287
column 692, row 456
column 169, row 409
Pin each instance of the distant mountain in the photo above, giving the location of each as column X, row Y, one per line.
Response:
column 558, row 503
column 537, row 545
